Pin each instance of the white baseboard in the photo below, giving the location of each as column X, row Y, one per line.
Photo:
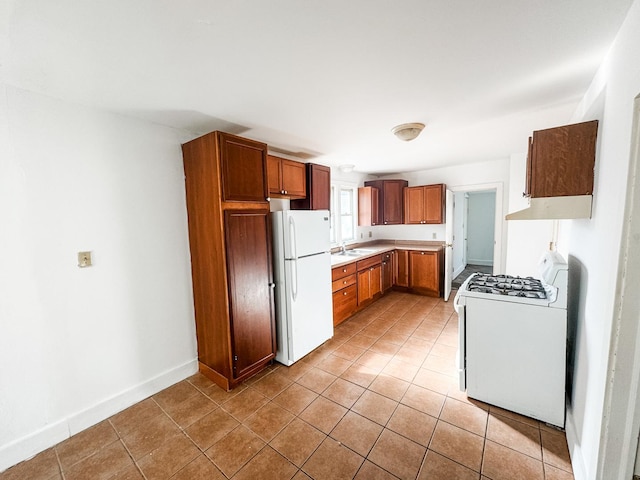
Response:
column 575, row 452
column 457, row 271
column 38, row 441
column 487, row 263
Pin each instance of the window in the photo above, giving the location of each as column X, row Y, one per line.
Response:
column 343, row 213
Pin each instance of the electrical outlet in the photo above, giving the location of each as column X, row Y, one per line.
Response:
column 433, row 235
column 370, row 234
column 84, row 259
column 361, row 234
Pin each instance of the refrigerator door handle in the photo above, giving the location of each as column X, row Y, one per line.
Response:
column 294, row 279
column 294, row 259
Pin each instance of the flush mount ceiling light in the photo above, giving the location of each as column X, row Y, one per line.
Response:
column 348, row 168
column 407, row 131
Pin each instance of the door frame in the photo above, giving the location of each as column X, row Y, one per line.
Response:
column 498, row 258
column 621, row 415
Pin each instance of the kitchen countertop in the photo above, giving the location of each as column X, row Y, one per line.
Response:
column 367, row 250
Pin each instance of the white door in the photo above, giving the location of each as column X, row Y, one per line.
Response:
column 448, row 240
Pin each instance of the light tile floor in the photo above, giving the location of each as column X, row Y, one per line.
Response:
column 378, row 401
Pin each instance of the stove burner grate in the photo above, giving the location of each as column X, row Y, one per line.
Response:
column 527, row 287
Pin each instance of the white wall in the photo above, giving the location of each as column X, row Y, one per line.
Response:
column 528, row 239
column 593, row 245
column 77, row 345
column 480, row 227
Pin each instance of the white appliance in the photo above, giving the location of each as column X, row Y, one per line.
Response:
column 512, row 335
column 302, row 273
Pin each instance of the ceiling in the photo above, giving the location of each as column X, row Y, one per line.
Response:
column 321, row 80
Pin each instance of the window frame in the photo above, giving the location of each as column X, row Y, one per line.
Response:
column 337, row 214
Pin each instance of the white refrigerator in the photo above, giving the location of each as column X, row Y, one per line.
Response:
column 302, row 273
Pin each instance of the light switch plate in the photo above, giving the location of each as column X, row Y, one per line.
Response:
column 84, row 259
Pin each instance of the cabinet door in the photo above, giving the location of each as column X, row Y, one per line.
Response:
column 367, row 206
column 402, row 268
column 321, row 193
column 294, row 181
column 244, row 169
column 249, row 274
column 387, row 271
column 562, row 160
column 318, row 189
column 364, row 286
column 424, row 272
column 274, row 175
column 393, row 201
column 413, row 205
column 433, row 203
column 375, row 280
column 345, row 302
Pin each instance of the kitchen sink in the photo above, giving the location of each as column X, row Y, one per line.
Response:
column 362, row 251
column 350, row 253
column 355, row 252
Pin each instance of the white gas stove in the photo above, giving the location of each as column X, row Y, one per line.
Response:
column 512, row 340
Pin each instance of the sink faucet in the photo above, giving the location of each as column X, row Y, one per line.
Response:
column 343, row 248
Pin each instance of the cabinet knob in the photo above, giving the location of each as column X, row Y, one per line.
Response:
column 272, row 285
column 344, row 293
column 344, row 283
column 385, row 222
column 421, row 253
column 285, row 192
column 344, row 270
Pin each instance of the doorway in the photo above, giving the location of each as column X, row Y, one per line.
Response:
column 474, row 221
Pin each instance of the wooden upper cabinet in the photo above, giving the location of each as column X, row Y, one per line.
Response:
column 561, row 161
column 424, row 204
column 286, row 177
column 390, row 201
column 244, row 168
column 414, row 205
column 318, row 189
column 368, row 206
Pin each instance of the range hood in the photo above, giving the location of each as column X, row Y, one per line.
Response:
column 555, row 208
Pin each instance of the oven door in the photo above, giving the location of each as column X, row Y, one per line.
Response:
column 460, row 307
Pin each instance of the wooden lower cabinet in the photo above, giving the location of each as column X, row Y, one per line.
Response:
column 345, row 303
column 369, row 279
column 369, row 284
column 402, row 269
column 345, row 292
column 424, row 272
column 358, row 284
column 388, row 263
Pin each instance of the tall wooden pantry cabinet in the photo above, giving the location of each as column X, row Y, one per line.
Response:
column 230, row 240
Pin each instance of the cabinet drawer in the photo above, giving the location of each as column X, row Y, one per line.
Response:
column 343, row 271
column 368, row 262
column 343, row 282
column 345, row 303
